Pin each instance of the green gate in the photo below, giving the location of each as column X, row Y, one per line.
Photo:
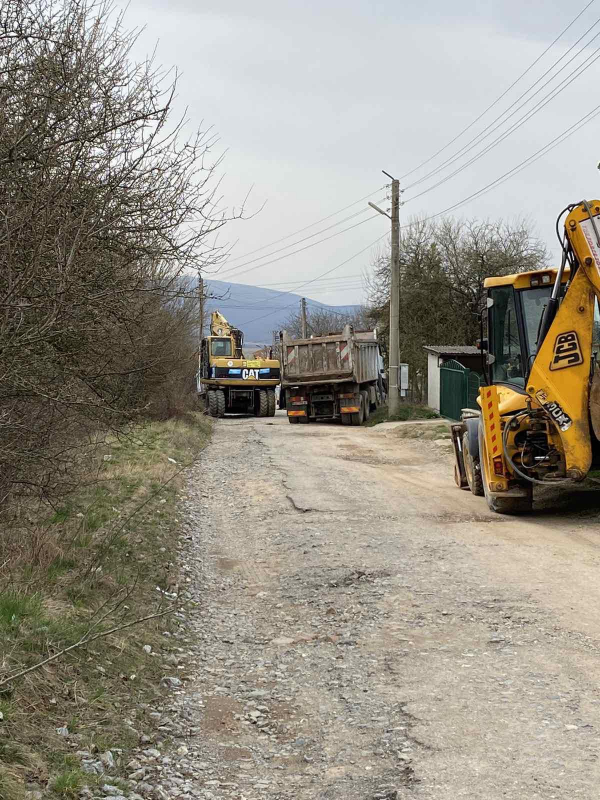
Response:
column 459, row 388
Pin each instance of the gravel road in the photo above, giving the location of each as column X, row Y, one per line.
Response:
column 366, row 630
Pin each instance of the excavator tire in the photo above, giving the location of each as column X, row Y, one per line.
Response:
column 263, row 404
column 212, row 403
column 220, row 403
column 366, row 405
column 501, row 505
column 472, row 468
column 271, row 402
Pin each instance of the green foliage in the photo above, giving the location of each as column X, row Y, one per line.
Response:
column 15, row 607
column 69, row 783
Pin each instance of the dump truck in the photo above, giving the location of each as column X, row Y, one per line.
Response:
column 228, row 382
column 538, row 417
column 338, row 376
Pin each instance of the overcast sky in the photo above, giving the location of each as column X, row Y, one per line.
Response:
column 313, row 99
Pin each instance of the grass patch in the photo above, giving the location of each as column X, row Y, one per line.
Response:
column 90, row 565
column 68, row 783
column 439, row 430
column 406, row 411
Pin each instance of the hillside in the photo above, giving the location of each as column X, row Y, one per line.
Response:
column 255, row 310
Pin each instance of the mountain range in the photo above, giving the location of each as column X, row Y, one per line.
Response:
column 258, row 311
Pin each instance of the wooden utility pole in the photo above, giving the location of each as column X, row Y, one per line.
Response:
column 394, row 348
column 303, row 317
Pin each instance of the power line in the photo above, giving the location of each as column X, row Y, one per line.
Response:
column 498, row 99
column 312, row 225
column 293, row 244
column 307, row 283
column 568, row 132
column 489, row 130
column 308, row 246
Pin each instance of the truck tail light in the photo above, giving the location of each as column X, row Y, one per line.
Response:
column 347, row 396
column 297, row 399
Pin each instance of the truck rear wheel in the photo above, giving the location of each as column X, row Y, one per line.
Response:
column 220, row 395
column 359, row 416
column 366, row 404
column 271, row 402
column 263, row 404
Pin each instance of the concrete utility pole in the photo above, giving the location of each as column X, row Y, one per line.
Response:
column 303, row 317
column 200, row 321
column 394, row 351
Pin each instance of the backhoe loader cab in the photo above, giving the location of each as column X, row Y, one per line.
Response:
column 539, row 414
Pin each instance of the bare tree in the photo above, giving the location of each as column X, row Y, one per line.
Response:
column 443, row 266
column 322, row 321
column 105, row 204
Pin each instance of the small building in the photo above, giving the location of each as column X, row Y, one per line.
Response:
column 438, row 355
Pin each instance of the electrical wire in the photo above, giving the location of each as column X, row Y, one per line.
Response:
column 567, row 133
column 312, row 225
column 308, row 246
column 500, row 97
column 529, row 114
column 293, row 244
column 329, row 271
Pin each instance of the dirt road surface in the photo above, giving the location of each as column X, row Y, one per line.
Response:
column 366, row 630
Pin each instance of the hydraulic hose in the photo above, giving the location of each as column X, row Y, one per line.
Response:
column 515, row 469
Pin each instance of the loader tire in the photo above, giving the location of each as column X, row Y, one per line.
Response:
column 501, row 505
column 212, row 403
column 366, row 405
column 472, row 468
column 271, row 402
column 220, row 403
column 263, row 404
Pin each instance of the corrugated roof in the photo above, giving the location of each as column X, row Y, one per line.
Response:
column 453, row 350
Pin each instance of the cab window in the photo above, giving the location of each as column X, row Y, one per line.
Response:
column 505, row 341
column 221, row 348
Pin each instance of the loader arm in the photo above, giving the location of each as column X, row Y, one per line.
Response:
column 560, row 376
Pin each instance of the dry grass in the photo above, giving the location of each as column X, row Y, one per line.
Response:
column 96, row 560
column 427, row 431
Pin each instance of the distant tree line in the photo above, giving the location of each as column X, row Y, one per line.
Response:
column 443, row 264
column 105, row 206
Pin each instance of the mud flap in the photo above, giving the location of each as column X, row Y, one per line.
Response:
column 460, row 477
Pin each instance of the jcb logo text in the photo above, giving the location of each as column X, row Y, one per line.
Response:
column 567, row 352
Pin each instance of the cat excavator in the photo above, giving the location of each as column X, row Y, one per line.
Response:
column 229, row 382
column 538, row 421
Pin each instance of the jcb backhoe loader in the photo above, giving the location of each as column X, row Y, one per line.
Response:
column 230, row 383
column 538, row 423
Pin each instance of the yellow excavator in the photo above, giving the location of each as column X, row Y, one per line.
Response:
column 230, row 383
column 538, row 421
